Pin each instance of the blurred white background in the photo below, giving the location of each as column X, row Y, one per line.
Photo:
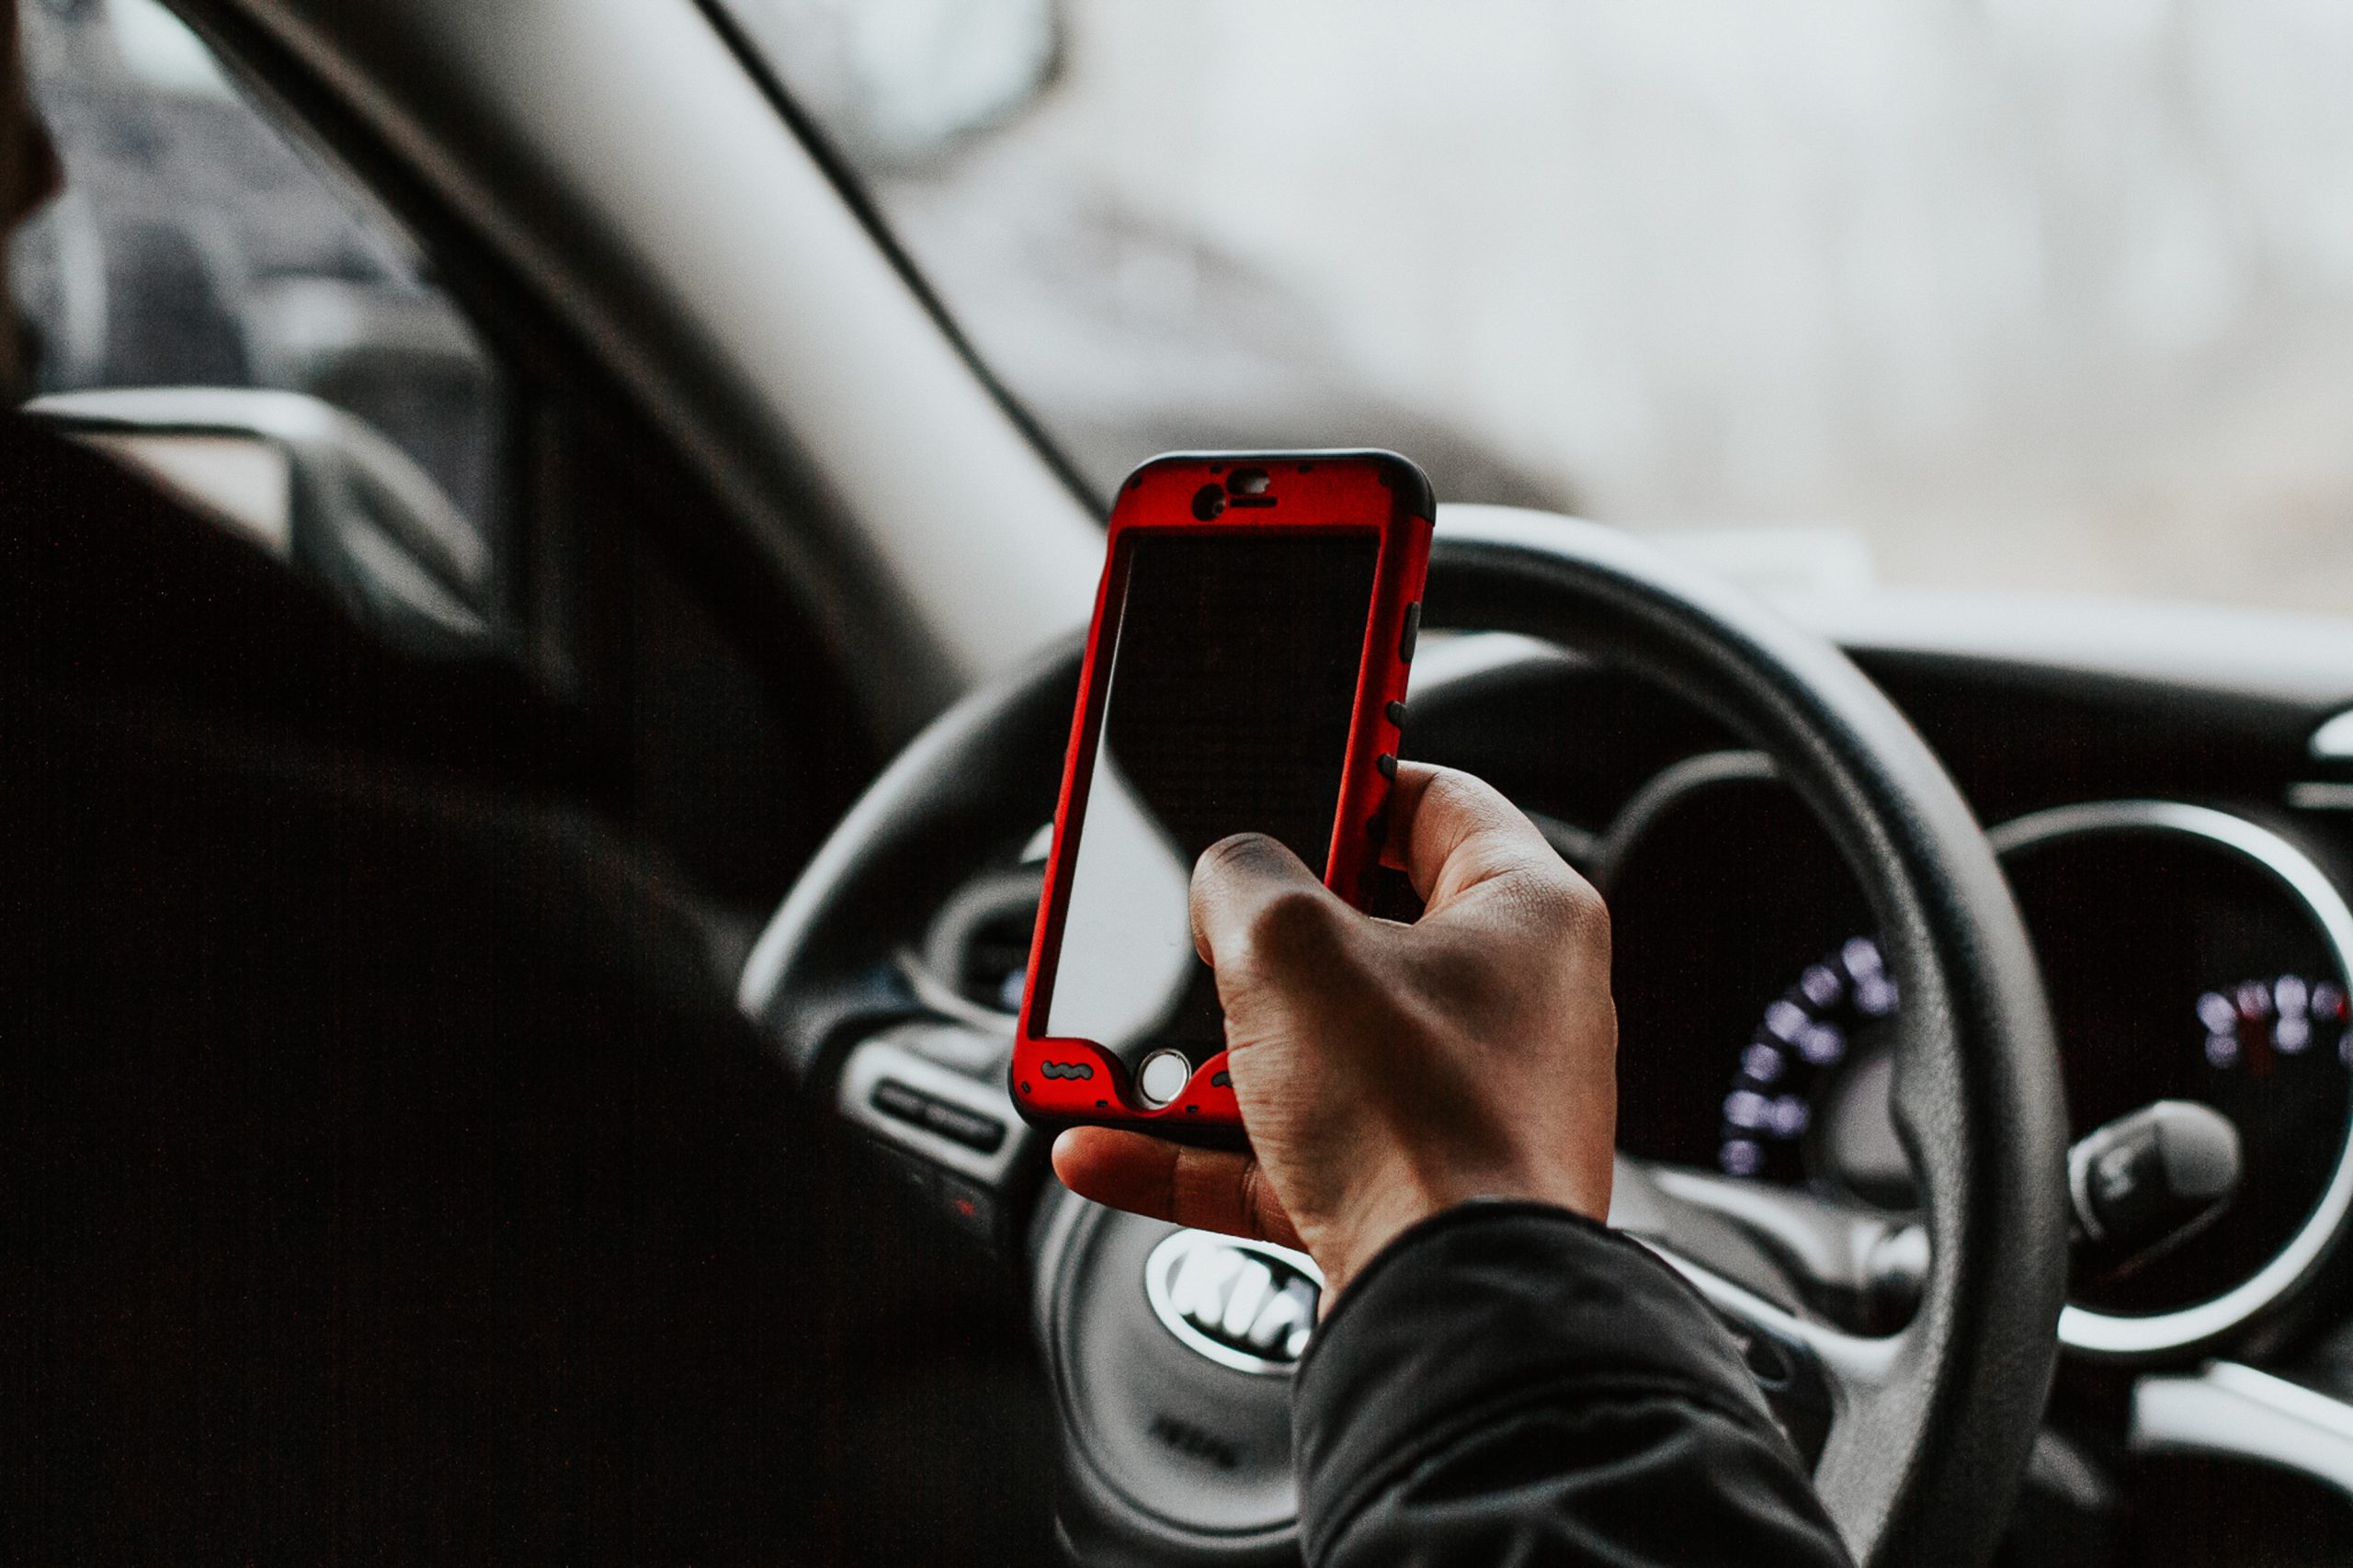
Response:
column 2001, row 294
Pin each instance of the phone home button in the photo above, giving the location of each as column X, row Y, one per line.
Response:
column 1162, row 1077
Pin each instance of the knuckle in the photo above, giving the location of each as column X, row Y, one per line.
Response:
column 1561, row 898
column 1584, row 908
column 1566, row 909
column 1449, row 786
column 1457, row 794
column 1249, row 1191
column 1489, row 812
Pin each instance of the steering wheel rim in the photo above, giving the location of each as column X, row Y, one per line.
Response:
column 1919, row 1466
column 1930, row 1427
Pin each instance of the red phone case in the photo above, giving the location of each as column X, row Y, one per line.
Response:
column 1372, row 489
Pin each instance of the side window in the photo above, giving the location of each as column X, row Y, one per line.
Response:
column 196, row 246
column 223, row 307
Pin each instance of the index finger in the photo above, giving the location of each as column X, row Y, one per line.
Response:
column 1207, row 1189
column 1449, row 832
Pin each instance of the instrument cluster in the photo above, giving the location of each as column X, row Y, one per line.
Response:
column 2188, row 954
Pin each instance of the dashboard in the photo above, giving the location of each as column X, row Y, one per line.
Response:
column 2173, row 808
column 2193, row 939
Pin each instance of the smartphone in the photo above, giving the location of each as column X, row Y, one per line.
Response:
column 1245, row 673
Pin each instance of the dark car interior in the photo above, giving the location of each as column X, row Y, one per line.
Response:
column 354, row 931
column 527, row 1083
column 448, row 938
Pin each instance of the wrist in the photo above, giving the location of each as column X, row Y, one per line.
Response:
column 1342, row 1248
column 1391, row 1206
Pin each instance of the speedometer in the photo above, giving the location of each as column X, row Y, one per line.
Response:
column 1832, row 1013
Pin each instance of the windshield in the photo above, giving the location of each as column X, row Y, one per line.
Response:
column 1996, row 296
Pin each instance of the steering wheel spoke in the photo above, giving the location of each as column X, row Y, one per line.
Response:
column 1860, row 1268
column 1789, row 1275
column 1811, row 1374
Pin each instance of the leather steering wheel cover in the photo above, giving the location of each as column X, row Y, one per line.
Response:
column 1925, row 1473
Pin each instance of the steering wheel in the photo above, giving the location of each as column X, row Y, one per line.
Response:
column 1177, row 1443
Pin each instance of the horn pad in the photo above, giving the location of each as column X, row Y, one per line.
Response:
column 1178, row 1433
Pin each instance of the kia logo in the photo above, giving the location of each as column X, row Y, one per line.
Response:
column 1247, row 1305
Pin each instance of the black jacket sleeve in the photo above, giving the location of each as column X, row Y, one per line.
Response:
column 1508, row 1384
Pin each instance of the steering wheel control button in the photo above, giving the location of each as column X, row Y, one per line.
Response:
column 953, row 1122
column 895, row 1098
column 1413, row 633
column 919, row 1177
column 1247, row 1305
column 970, row 1128
column 1163, row 1077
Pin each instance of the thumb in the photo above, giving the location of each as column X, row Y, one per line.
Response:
column 1259, row 913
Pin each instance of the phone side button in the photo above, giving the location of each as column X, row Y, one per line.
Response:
column 1413, row 633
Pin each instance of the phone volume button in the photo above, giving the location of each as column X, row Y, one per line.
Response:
column 1413, row 633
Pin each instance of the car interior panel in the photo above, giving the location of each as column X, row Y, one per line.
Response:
column 542, row 578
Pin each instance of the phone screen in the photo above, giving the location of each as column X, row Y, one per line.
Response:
column 1232, row 686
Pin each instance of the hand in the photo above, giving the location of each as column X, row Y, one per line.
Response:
column 1389, row 1071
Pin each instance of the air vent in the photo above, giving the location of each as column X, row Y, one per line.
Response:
column 979, row 942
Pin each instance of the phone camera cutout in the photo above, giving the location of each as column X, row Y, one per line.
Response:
column 1208, row 502
column 1163, row 1077
column 1249, row 487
